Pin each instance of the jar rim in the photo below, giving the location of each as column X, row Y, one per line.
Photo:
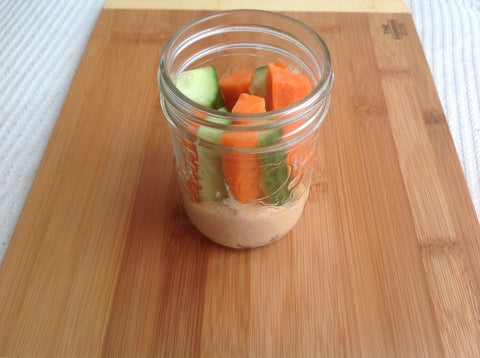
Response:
column 288, row 113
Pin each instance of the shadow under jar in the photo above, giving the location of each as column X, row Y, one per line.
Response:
column 277, row 170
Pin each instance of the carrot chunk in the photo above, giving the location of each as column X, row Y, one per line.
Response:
column 280, row 64
column 234, row 85
column 248, row 103
column 284, row 87
column 242, row 171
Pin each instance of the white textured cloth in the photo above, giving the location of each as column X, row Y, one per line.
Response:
column 41, row 44
column 42, row 41
column 450, row 34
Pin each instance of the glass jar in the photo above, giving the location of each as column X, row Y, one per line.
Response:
column 251, row 190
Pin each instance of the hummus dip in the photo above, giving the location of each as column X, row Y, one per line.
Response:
column 238, row 225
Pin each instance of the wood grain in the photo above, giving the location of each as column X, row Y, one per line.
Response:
column 388, row 6
column 384, row 261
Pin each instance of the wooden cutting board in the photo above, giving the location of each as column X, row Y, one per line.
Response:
column 384, row 262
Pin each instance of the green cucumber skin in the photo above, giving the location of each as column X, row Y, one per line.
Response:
column 275, row 181
column 275, row 172
column 201, row 85
column 259, row 82
column 211, row 178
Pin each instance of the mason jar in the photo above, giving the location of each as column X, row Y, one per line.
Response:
column 245, row 178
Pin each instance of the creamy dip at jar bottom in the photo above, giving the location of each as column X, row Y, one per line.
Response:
column 237, row 225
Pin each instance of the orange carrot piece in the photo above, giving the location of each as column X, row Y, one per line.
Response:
column 284, row 87
column 280, row 64
column 248, row 103
column 242, row 171
column 234, row 85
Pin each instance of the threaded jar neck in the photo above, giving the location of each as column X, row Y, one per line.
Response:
column 229, row 39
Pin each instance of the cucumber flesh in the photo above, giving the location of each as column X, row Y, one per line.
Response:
column 259, row 82
column 275, row 173
column 211, row 179
column 201, row 86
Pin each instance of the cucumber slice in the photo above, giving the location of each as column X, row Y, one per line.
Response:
column 259, row 82
column 201, row 86
column 211, row 178
column 275, row 177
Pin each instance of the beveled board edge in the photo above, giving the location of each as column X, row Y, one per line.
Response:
column 390, row 6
